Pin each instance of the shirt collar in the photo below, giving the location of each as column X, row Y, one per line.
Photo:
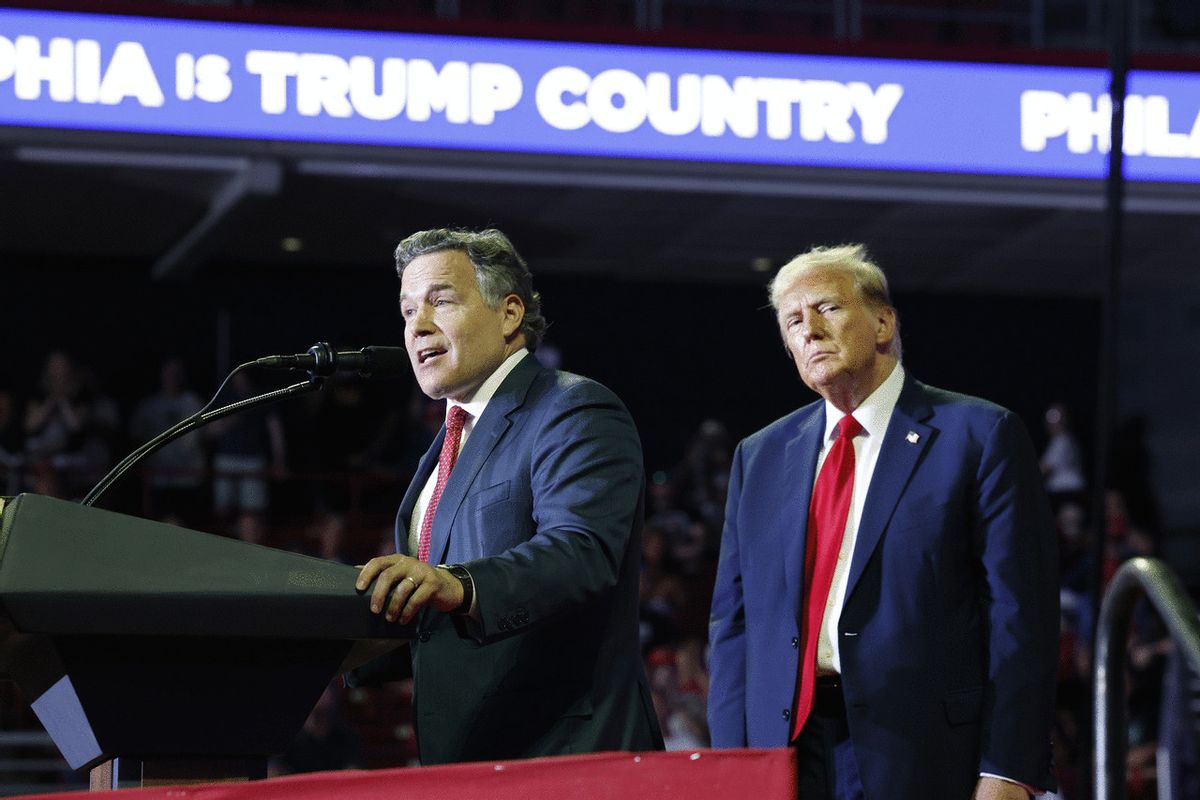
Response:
column 483, row 394
column 875, row 412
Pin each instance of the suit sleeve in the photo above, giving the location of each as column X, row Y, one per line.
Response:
column 587, row 485
column 727, row 630
column 1018, row 553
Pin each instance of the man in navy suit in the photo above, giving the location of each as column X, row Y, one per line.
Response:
column 518, row 540
column 931, row 667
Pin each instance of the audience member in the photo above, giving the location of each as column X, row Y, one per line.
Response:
column 678, row 700
column 69, row 429
column 249, row 446
column 702, row 477
column 1062, row 460
column 662, row 596
column 176, row 472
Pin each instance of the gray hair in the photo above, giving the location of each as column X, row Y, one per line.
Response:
column 848, row 259
column 499, row 270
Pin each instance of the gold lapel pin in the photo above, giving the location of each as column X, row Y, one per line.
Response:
column 913, row 437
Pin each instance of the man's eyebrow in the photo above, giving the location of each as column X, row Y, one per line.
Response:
column 809, row 301
column 437, row 287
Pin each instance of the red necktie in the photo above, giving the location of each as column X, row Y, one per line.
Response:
column 449, row 454
column 826, row 523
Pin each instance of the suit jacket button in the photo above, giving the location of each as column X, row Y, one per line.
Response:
column 787, row 713
column 423, row 636
column 795, row 641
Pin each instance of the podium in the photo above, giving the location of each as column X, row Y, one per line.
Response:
column 197, row 654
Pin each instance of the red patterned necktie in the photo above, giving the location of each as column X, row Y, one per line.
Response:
column 826, row 523
column 449, row 454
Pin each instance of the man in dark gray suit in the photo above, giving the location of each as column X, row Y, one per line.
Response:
column 519, row 537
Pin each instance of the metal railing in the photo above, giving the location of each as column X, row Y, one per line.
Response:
column 1179, row 613
column 30, row 764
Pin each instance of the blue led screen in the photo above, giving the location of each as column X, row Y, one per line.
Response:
column 195, row 78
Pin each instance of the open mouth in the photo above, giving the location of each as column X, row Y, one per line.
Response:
column 428, row 354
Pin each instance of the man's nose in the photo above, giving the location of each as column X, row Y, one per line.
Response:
column 421, row 321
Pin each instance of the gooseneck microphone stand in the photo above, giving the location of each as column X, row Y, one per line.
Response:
column 324, row 365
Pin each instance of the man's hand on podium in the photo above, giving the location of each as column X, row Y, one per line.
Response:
column 404, row 585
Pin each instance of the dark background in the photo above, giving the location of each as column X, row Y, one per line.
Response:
column 676, row 353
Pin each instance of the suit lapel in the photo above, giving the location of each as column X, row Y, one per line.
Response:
column 482, row 441
column 799, row 470
column 898, row 457
column 420, row 477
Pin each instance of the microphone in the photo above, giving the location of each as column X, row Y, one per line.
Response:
column 321, row 359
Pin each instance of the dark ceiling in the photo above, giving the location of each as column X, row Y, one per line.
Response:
column 175, row 207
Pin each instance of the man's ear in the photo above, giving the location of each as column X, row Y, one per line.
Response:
column 514, row 315
column 885, row 330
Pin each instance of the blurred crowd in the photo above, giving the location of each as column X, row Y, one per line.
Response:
column 294, row 474
column 322, row 476
column 1161, row 692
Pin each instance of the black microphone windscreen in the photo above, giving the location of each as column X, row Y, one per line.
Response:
column 386, row 360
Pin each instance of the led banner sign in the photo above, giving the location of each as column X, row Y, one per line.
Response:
column 265, row 82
